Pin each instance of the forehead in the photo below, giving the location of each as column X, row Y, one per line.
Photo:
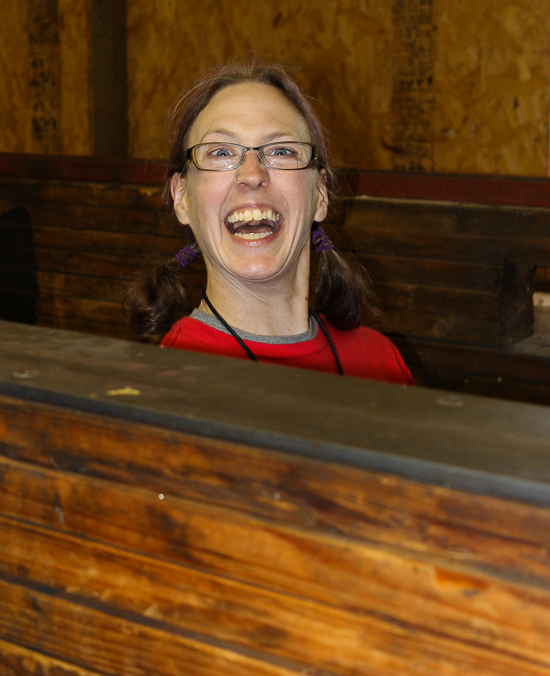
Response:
column 250, row 111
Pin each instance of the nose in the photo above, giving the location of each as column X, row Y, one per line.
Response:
column 252, row 172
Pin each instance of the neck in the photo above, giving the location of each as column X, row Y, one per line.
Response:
column 263, row 308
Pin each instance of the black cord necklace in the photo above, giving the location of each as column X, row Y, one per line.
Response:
column 251, row 354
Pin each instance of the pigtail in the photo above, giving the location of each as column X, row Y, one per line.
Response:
column 162, row 292
column 343, row 290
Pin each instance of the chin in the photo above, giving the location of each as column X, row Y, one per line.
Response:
column 256, row 271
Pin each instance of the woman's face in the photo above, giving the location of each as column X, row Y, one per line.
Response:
column 282, row 204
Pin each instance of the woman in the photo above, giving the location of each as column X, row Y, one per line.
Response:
column 249, row 179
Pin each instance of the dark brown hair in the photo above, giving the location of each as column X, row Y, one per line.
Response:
column 342, row 290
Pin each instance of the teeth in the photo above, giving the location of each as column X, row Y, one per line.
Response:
column 252, row 235
column 253, row 215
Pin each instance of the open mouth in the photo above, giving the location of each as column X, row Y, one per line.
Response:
column 253, row 223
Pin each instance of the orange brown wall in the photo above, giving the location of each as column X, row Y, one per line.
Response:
column 409, row 84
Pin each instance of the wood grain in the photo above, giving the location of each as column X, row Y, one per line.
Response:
column 116, row 645
column 223, row 609
column 330, row 498
column 18, row 661
column 326, row 574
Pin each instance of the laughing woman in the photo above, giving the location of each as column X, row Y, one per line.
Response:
column 249, row 179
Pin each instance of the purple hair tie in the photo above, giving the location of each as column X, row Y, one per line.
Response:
column 186, row 256
column 323, row 243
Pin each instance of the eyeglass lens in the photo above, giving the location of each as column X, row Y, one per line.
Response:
column 223, row 156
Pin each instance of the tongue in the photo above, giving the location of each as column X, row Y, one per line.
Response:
column 255, row 226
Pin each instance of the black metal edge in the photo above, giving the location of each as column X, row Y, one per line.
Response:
column 424, row 471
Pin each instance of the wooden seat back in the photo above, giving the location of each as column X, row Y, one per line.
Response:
column 450, row 275
column 145, row 530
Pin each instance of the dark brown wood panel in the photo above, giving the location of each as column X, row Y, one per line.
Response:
column 449, row 231
column 100, row 217
column 103, row 243
column 71, row 168
column 80, row 309
column 446, row 325
column 331, row 498
column 495, row 190
column 433, row 299
column 127, row 196
column 78, row 286
column 99, row 328
column 432, row 272
column 453, row 272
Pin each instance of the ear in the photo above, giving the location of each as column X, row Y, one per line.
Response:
column 178, row 186
column 322, row 201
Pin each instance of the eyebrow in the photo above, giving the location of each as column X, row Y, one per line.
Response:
column 270, row 137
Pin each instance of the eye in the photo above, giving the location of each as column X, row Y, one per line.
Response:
column 281, row 151
column 221, row 151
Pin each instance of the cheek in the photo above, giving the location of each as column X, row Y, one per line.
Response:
column 205, row 201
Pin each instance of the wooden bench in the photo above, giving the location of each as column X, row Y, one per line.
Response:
column 455, row 267
column 177, row 513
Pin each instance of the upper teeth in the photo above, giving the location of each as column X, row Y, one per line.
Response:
column 253, row 215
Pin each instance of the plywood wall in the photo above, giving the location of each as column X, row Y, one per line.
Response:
column 491, row 111
column 45, row 104
column 403, row 84
column 409, row 84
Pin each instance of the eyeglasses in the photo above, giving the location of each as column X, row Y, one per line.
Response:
column 287, row 155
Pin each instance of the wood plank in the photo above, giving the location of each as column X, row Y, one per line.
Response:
column 119, row 645
column 19, row 661
column 464, row 302
column 506, row 364
column 448, row 218
column 444, row 325
column 97, row 328
column 477, row 249
column 17, row 192
column 81, row 262
column 76, row 286
column 498, row 190
column 318, row 565
column 223, row 609
column 504, row 190
column 484, row 533
column 81, row 309
column 512, row 389
column 473, row 304
column 378, row 426
column 437, row 273
column 103, row 243
column 88, row 169
column 100, row 217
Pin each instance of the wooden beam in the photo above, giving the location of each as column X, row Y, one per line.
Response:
column 497, row 190
column 488, row 446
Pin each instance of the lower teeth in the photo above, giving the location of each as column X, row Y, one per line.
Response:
column 252, row 235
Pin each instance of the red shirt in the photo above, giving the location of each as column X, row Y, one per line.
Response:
column 364, row 353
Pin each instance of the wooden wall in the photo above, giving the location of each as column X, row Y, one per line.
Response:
column 45, row 97
column 422, row 84
column 405, row 85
